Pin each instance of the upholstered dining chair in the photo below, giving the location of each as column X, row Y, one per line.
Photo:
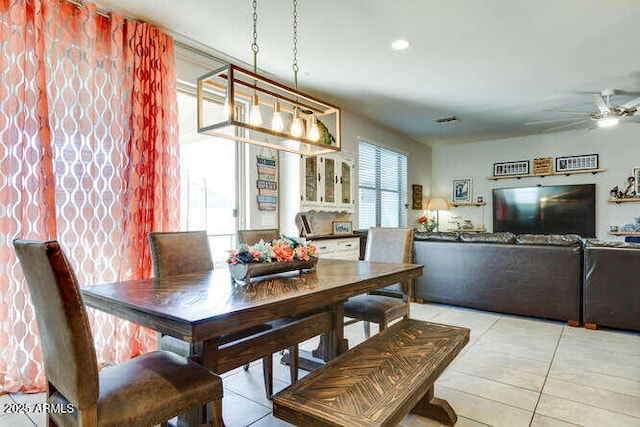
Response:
column 251, row 237
column 147, row 390
column 383, row 245
column 183, row 252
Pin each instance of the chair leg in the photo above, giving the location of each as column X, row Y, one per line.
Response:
column 267, row 372
column 367, row 329
column 293, row 363
column 382, row 326
column 217, row 413
column 246, row 367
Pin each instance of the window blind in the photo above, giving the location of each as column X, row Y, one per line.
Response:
column 382, row 186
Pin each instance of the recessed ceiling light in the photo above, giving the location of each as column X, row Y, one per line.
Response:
column 400, row 44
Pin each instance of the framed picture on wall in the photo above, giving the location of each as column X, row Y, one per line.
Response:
column 577, row 163
column 416, row 193
column 520, row 167
column 461, row 190
column 635, row 173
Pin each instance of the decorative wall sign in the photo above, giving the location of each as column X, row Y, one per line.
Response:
column 341, row 227
column 461, row 190
column 636, row 175
column 267, row 183
column 543, row 166
column 511, row 168
column 416, row 204
column 577, row 163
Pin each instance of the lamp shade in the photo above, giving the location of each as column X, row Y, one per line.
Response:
column 438, row 204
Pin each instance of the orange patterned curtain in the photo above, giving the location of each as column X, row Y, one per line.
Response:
column 88, row 156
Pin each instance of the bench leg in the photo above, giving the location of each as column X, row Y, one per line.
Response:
column 435, row 408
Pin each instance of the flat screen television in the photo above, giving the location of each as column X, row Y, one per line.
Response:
column 557, row 209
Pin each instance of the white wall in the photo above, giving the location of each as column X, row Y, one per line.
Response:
column 618, row 149
column 355, row 127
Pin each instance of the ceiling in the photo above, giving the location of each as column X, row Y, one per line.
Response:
column 496, row 64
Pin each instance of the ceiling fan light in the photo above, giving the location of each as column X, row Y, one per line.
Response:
column 608, row 122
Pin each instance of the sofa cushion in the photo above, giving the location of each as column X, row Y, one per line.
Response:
column 488, row 237
column 444, row 236
column 593, row 243
column 549, row 239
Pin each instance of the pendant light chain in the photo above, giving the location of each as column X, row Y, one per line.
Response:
column 295, row 43
column 254, row 45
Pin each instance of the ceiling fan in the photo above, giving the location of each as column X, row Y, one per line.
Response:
column 605, row 115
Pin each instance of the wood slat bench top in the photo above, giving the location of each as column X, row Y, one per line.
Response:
column 377, row 382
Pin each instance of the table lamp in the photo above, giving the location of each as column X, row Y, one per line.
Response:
column 437, row 204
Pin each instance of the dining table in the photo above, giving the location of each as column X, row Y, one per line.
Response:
column 201, row 308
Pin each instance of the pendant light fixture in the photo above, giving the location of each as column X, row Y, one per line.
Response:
column 292, row 117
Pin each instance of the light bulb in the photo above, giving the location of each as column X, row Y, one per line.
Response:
column 608, row 122
column 255, row 117
column 314, row 132
column 226, row 108
column 296, row 124
column 277, row 124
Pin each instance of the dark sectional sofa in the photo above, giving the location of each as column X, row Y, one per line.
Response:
column 529, row 275
column 612, row 285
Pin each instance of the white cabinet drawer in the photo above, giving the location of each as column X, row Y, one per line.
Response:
column 345, row 248
column 326, row 247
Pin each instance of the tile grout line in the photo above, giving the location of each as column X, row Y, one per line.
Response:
column 493, row 380
column 601, row 388
column 553, row 357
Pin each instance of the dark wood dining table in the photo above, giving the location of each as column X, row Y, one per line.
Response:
column 201, row 308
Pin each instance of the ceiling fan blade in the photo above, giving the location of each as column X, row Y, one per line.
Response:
column 565, row 126
column 550, row 121
column 602, row 106
column 568, row 112
column 631, row 104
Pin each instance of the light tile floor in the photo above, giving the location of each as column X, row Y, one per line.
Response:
column 516, row 371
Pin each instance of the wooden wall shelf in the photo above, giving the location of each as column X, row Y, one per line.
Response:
column 624, row 233
column 542, row 175
column 624, row 200
column 470, row 204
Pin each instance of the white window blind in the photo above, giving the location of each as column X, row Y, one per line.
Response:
column 382, row 186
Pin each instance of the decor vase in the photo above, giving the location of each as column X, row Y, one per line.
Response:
column 241, row 272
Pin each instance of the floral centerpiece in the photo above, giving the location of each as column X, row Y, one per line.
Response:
column 284, row 254
column 428, row 224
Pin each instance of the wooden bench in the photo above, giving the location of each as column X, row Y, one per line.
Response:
column 379, row 381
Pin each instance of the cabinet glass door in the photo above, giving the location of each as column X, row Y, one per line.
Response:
column 311, row 179
column 345, row 183
column 329, row 180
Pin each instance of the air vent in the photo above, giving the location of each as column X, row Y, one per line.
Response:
column 448, row 119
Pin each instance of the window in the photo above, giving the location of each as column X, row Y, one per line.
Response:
column 382, row 187
column 208, row 180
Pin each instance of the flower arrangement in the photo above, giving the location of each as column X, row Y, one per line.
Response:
column 428, row 224
column 279, row 250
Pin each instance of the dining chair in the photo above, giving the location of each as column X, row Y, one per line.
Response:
column 383, row 245
column 184, row 252
column 251, row 237
column 147, row 390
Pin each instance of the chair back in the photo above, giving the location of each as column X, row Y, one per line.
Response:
column 180, row 252
column 391, row 245
column 251, row 237
column 67, row 344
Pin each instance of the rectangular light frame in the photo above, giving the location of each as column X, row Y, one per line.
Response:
column 237, row 86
